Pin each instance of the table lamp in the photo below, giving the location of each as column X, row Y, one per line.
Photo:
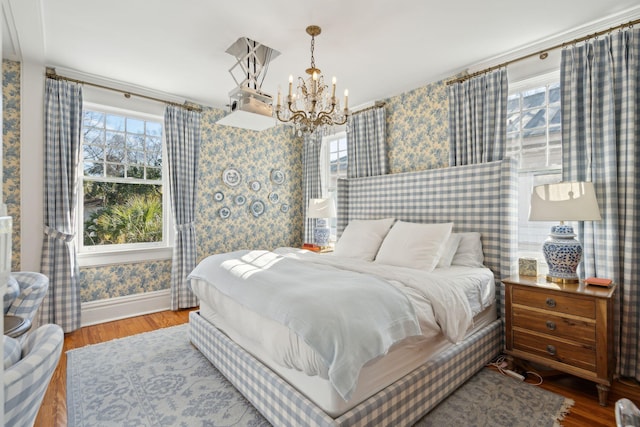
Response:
column 564, row 201
column 321, row 209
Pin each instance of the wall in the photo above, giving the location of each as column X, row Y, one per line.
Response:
column 254, row 155
column 417, row 129
column 11, row 151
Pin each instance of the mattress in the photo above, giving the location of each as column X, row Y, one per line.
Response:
column 282, row 351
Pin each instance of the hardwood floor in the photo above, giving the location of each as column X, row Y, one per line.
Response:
column 53, row 412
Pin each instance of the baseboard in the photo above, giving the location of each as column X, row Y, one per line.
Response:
column 111, row 309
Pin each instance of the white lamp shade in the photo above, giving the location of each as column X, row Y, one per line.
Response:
column 321, row 208
column 564, row 201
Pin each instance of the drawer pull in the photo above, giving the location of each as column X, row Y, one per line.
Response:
column 551, row 349
column 551, row 325
column 551, row 302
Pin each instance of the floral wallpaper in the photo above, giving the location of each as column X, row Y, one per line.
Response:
column 118, row 280
column 254, row 155
column 11, row 151
column 417, row 129
column 417, row 123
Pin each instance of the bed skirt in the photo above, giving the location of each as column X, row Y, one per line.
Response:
column 400, row 404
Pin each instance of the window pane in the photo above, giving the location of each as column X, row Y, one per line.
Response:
column 92, row 118
column 135, row 142
column 513, row 123
column 554, row 93
column 115, row 122
column 135, row 157
column 537, row 118
column 513, row 104
column 93, row 136
column 93, row 152
column 154, row 173
column 135, row 125
column 115, row 155
column 93, row 169
column 154, row 128
column 115, row 171
column 154, row 143
column 534, row 98
column 135, row 172
column 116, row 139
column 154, row 159
column 117, row 213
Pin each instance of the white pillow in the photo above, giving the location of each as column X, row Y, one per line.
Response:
column 449, row 250
column 414, row 245
column 469, row 251
column 361, row 238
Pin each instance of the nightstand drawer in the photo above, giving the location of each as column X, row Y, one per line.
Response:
column 554, row 324
column 572, row 353
column 585, row 307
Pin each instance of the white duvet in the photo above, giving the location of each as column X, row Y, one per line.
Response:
column 444, row 301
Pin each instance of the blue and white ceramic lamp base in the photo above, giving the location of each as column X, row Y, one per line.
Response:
column 563, row 253
column 322, row 233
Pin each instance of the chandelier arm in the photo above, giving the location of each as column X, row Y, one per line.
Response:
column 297, row 112
column 295, row 117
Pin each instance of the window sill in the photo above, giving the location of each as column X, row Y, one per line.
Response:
column 124, row 257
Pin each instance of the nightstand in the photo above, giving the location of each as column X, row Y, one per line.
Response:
column 563, row 326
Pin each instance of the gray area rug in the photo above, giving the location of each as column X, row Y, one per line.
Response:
column 159, row 379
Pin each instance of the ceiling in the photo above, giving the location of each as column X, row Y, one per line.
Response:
column 375, row 48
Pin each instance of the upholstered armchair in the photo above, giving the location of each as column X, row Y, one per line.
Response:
column 32, row 289
column 26, row 380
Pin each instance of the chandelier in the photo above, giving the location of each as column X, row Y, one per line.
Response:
column 312, row 107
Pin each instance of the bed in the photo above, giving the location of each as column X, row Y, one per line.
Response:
column 476, row 198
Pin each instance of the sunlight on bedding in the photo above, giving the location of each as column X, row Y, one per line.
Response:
column 251, row 263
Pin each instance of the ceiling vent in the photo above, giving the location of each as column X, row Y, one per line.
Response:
column 249, row 107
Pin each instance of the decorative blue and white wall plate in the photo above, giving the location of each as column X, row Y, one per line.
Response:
column 284, row 208
column 232, row 177
column 273, row 197
column 277, row 176
column 240, row 200
column 255, row 185
column 218, row 196
column 257, row 208
column 224, row 212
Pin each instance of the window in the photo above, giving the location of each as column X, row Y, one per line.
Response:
column 333, row 165
column 122, row 204
column 534, row 138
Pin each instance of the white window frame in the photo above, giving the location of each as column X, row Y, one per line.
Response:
column 528, row 177
column 329, row 191
column 131, row 252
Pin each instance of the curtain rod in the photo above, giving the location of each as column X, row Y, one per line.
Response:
column 378, row 104
column 51, row 74
column 543, row 53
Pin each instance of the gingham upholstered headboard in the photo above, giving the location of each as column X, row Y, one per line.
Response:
column 475, row 198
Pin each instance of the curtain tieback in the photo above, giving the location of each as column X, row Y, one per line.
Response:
column 52, row 232
column 182, row 227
